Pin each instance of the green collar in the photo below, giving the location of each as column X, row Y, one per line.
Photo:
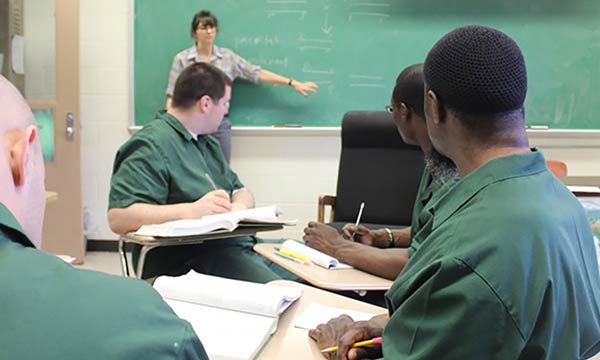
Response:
column 175, row 124
column 508, row 167
column 10, row 228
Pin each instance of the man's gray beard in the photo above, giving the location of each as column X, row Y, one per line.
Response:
column 442, row 169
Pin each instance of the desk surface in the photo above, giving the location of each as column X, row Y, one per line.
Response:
column 196, row 239
column 581, row 180
column 292, row 343
column 343, row 279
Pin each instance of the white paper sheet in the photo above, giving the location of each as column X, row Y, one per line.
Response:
column 316, row 314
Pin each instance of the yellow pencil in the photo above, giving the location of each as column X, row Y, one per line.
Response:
column 374, row 341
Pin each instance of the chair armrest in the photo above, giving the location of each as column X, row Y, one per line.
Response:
column 325, row 200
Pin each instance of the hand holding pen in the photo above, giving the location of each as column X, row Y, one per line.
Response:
column 213, row 202
column 360, row 211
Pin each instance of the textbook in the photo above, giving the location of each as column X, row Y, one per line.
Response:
column 226, row 222
column 314, row 256
column 232, row 318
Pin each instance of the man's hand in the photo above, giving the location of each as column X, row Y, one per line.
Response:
column 343, row 332
column 359, row 234
column 214, row 202
column 323, row 238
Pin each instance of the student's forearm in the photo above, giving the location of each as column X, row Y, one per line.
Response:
column 387, row 263
column 242, row 199
column 131, row 218
column 402, row 237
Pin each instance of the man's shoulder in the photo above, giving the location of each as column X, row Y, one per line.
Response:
column 152, row 134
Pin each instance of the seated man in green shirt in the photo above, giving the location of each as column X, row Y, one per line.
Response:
column 508, row 270
column 50, row 310
column 384, row 252
column 169, row 170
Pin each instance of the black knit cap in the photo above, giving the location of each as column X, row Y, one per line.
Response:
column 477, row 70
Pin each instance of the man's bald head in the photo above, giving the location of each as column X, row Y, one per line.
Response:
column 21, row 162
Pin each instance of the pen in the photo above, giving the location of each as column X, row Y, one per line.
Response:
column 360, row 211
column 291, row 258
column 210, row 180
column 294, row 254
column 373, row 341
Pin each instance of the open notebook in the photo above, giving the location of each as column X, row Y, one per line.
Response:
column 232, row 318
column 261, row 216
column 315, row 256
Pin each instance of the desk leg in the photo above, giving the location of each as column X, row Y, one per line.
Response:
column 123, row 254
column 142, row 259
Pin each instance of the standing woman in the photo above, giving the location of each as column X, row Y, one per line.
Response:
column 204, row 30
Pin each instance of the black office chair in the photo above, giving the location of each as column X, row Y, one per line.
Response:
column 376, row 167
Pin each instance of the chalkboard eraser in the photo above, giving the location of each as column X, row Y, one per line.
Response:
column 288, row 126
column 539, row 127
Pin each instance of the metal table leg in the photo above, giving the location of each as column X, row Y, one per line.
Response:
column 123, row 254
column 140, row 265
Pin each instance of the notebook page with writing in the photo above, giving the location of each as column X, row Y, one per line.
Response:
column 185, row 227
column 259, row 215
column 315, row 256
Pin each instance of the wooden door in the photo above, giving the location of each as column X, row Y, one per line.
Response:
column 50, row 83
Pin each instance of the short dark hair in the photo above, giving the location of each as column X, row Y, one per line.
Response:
column 204, row 17
column 409, row 88
column 196, row 81
column 477, row 70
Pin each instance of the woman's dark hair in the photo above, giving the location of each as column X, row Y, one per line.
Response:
column 204, row 18
column 196, row 81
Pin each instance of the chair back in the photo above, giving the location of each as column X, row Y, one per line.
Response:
column 376, row 167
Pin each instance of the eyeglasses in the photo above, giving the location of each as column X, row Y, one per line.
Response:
column 206, row 28
column 389, row 108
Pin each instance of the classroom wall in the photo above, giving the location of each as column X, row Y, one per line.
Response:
column 289, row 168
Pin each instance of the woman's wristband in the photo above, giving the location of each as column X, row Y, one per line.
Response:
column 290, row 82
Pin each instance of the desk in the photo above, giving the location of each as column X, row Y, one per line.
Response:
column 581, row 180
column 291, row 343
column 344, row 279
column 148, row 243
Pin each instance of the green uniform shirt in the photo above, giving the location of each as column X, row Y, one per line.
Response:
column 163, row 164
column 508, row 271
column 429, row 191
column 49, row 310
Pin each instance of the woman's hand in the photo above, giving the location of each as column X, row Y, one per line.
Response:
column 304, row 87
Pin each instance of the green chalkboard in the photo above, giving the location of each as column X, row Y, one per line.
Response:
column 354, row 50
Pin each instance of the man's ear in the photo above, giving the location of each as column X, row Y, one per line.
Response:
column 19, row 150
column 204, row 103
column 438, row 112
column 405, row 111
